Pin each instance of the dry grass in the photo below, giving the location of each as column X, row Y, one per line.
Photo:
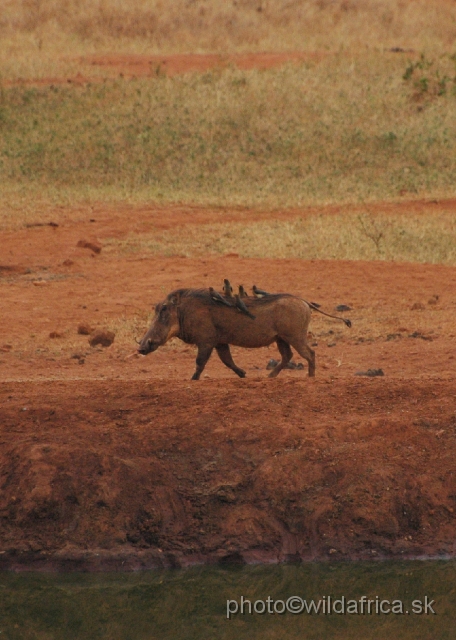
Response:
column 42, row 38
column 425, row 238
column 36, row 32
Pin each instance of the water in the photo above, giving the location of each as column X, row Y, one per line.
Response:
column 192, row 604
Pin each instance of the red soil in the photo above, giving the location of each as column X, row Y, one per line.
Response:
column 108, row 461
column 135, row 65
column 141, row 65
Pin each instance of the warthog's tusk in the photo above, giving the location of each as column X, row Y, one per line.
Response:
column 135, row 353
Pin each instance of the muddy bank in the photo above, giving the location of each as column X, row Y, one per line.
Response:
column 125, row 475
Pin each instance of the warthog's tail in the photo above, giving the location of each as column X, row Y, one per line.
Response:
column 315, row 308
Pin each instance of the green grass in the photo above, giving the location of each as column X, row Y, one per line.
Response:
column 346, row 129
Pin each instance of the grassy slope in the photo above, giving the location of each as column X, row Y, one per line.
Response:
column 347, row 129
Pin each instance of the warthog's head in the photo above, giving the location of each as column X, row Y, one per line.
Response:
column 165, row 326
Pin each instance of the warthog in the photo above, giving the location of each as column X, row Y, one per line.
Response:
column 196, row 318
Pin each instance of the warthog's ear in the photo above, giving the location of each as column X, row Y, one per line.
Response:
column 172, row 301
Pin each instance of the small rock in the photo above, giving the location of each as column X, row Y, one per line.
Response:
column 105, row 338
column 85, row 329
column 291, row 365
column 42, row 224
column 294, row 365
column 370, row 372
column 6, row 347
column 55, row 334
column 433, row 300
column 68, row 263
column 332, row 344
column 418, row 334
column 343, row 307
column 417, row 306
column 86, row 244
column 225, row 493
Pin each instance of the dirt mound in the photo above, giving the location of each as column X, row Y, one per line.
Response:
column 104, row 338
column 169, row 475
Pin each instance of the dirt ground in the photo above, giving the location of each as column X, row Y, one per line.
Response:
column 110, row 461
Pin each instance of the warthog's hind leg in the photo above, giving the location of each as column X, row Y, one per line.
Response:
column 203, row 355
column 286, row 354
column 225, row 356
column 306, row 352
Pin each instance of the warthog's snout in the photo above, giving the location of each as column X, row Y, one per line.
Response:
column 147, row 346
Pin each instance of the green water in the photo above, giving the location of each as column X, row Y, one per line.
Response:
column 192, row 603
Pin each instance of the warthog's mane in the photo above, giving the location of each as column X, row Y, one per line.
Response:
column 199, row 294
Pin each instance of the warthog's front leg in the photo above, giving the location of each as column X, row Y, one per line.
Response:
column 225, row 356
column 203, row 355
